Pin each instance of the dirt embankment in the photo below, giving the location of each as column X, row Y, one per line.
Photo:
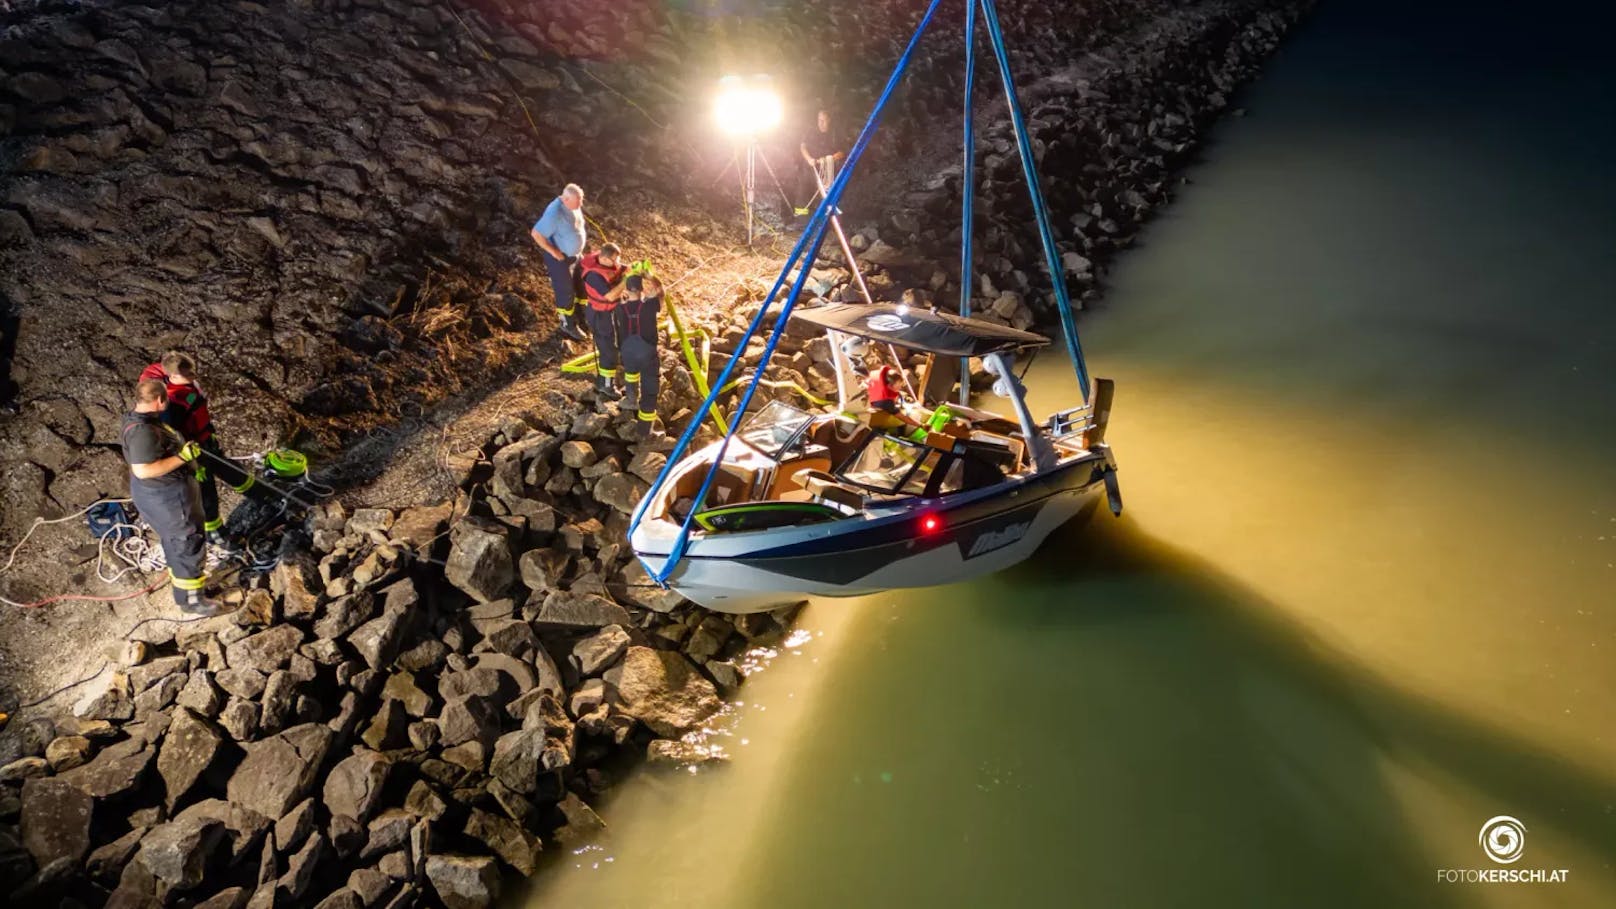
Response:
column 329, row 200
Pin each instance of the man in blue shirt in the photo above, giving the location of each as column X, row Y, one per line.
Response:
column 560, row 235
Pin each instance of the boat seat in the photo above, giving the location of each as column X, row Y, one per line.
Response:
column 785, row 477
column 841, row 438
column 827, row 488
column 732, row 483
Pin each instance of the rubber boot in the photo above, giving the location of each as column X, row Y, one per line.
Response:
column 192, row 602
column 606, row 390
column 631, row 398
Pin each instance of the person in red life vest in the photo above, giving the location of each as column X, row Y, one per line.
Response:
column 604, row 279
column 637, row 328
column 886, row 406
column 186, row 412
column 164, row 489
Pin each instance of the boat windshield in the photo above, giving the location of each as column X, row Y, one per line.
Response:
column 774, row 429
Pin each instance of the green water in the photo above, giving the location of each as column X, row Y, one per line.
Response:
column 1364, row 595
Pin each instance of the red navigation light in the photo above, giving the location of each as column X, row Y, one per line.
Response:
column 931, row 524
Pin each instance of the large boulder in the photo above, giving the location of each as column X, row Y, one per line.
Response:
column 108, row 699
column 55, row 820
column 621, row 491
column 344, row 614
column 520, row 756
column 480, row 560
column 378, row 639
column 300, row 867
column 244, row 828
column 242, row 682
column 601, row 649
column 661, row 689
column 464, row 881
column 266, row 651
column 189, row 748
column 177, row 852
column 570, row 610
column 354, row 786
column 506, row 839
column 119, row 768
column 297, row 580
column 466, row 719
column 147, row 674
column 278, row 772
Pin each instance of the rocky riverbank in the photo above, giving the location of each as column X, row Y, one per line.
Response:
column 325, row 196
column 412, row 698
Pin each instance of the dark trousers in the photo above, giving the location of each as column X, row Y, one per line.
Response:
column 174, row 510
column 560, row 271
column 603, row 328
column 642, row 372
column 232, row 473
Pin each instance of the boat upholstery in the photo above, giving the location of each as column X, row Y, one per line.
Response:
column 785, row 478
column 732, row 483
column 840, row 437
column 827, row 488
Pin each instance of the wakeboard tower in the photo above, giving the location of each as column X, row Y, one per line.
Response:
column 791, row 505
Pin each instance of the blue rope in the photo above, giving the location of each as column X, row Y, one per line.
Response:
column 1057, row 274
column 816, row 229
column 968, row 190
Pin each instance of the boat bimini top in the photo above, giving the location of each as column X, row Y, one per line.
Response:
column 919, row 329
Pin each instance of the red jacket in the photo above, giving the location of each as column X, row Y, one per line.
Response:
column 883, row 390
column 187, row 409
column 589, row 265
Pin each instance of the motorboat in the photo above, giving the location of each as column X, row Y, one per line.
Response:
column 810, row 505
column 792, row 505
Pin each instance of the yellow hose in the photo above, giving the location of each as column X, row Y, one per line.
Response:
column 698, row 370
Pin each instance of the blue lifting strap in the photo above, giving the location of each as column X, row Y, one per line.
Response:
column 806, row 250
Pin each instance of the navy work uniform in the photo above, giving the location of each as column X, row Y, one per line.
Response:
column 598, row 281
column 642, row 367
column 171, row 504
column 187, row 413
column 565, row 230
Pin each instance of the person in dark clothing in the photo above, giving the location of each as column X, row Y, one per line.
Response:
column 637, row 329
column 164, row 490
column 821, row 154
column 603, row 283
column 186, row 411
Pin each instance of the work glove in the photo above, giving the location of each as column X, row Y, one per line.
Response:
column 190, row 451
column 642, row 267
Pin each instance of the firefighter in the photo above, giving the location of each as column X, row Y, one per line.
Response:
column 637, row 315
column 560, row 235
column 165, row 491
column 604, row 280
column 186, row 412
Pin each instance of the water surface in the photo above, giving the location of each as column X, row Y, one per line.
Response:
column 1364, row 595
